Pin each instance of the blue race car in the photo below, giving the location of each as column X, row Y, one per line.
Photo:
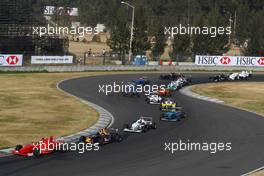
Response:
column 141, row 81
column 173, row 116
column 131, row 90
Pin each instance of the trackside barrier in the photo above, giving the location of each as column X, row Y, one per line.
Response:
column 125, row 68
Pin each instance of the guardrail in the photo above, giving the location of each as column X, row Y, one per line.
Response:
column 125, row 68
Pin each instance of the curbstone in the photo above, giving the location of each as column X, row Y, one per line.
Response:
column 187, row 91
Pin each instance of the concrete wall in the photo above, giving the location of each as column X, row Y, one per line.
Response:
column 124, row 68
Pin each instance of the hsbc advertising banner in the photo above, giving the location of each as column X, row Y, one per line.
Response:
column 10, row 60
column 50, row 10
column 51, row 59
column 229, row 61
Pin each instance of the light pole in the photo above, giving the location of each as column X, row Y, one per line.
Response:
column 131, row 31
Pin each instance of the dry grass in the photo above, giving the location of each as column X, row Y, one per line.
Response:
column 244, row 95
column 31, row 107
column 79, row 48
column 260, row 173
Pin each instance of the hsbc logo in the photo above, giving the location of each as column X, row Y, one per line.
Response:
column 225, row 60
column 206, row 60
column 261, row 61
column 12, row 60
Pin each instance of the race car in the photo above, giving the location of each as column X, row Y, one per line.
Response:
column 242, row 75
column 142, row 125
column 173, row 86
column 176, row 85
column 153, row 99
column 104, row 136
column 141, row 81
column 171, row 76
column 219, row 78
column 245, row 75
column 164, row 93
column 168, row 104
column 42, row 147
column 131, row 90
column 233, row 76
column 173, row 116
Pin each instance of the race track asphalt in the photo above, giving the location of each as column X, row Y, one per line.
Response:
column 143, row 154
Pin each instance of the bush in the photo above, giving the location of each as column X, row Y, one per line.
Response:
column 96, row 38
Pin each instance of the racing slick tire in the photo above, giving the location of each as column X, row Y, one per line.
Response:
column 18, row 147
column 82, row 139
column 117, row 138
column 144, row 130
column 101, row 141
column 153, row 126
column 36, row 153
column 126, row 126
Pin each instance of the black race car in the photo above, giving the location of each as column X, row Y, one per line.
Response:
column 171, row 76
column 131, row 91
column 219, row 78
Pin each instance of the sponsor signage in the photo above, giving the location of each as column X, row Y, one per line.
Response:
column 11, row 60
column 50, row 10
column 51, row 59
column 229, row 61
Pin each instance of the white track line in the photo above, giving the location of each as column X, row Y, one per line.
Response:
column 251, row 172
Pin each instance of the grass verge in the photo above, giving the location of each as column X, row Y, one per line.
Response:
column 248, row 96
column 31, row 107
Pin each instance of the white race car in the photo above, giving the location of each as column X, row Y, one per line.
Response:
column 143, row 124
column 153, row 99
column 241, row 75
column 233, row 76
column 245, row 75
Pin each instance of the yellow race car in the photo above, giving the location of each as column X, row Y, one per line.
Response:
column 168, row 104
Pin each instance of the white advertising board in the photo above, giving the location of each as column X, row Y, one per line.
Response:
column 51, row 59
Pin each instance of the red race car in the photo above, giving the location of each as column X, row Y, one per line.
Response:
column 42, row 147
column 164, row 93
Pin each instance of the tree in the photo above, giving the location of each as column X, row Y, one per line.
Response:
column 256, row 40
column 141, row 41
column 160, row 43
column 210, row 43
column 119, row 41
column 180, row 46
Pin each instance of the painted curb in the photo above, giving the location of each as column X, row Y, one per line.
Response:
column 105, row 119
column 187, row 91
